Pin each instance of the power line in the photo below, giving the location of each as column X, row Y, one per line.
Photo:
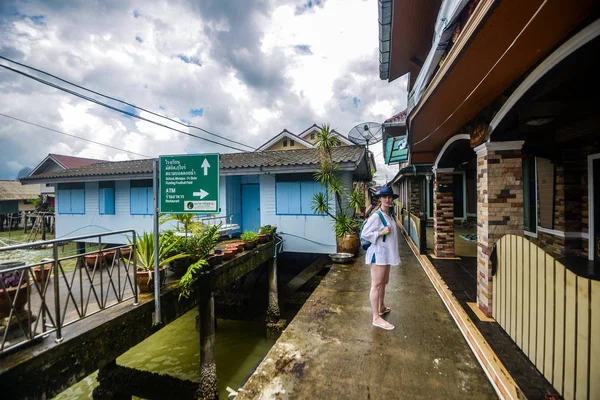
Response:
column 76, row 137
column 114, row 108
column 121, row 101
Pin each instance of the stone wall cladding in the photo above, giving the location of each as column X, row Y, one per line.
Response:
column 499, row 211
column 415, row 196
column 443, row 211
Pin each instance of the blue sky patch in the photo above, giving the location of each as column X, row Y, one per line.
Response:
column 130, row 110
column 139, row 39
column 189, row 60
column 37, row 19
column 356, row 102
column 310, row 4
column 136, row 13
column 303, row 49
column 197, row 112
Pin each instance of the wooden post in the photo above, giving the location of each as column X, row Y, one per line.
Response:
column 273, row 308
column 208, row 389
column 43, row 225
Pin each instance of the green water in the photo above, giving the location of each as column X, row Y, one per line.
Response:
column 175, row 350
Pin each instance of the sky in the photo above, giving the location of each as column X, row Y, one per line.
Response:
column 244, row 70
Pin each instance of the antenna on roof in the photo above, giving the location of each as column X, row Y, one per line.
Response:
column 366, row 133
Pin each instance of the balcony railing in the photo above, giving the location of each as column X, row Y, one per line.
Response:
column 40, row 295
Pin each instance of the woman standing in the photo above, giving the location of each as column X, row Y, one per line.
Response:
column 381, row 254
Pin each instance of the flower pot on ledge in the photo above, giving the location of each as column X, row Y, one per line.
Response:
column 349, row 243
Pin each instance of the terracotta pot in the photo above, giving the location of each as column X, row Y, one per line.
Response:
column 263, row 238
column 42, row 273
column 145, row 279
column 125, row 251
column 218, row 258
column 239, row 246
column 228, row 254
column 109, row 256
column 249, row 245
column 348, row 244
column 90, row 260
column 5, row 301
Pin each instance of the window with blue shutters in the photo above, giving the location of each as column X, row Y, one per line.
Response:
column 141, row 197
column 71, row 198
column 106, row 198
column 294, row 194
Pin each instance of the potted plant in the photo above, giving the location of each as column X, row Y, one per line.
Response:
column 346, row 224
column 14, row 286
column 265, row 233
column 42, row 272
column 144, row 258
column 250, row 239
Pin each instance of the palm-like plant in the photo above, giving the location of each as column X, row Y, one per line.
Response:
column 144, row 252
column 345, row 221
column 186, row 220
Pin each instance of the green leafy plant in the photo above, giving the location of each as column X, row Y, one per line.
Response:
column 345, row 221
column 188, row 280
column 248, row 236
column 144, row 252
column 266, row 229
column 204, row 239
column 185, row 221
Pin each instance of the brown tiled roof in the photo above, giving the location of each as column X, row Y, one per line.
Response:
column 400, row 117
column 75, row 162
column 231, row 161
column 13, row 190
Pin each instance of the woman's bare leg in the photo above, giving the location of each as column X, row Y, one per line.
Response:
column 377, row 283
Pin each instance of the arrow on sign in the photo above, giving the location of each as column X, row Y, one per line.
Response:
column 206, row 166
column 202, row 193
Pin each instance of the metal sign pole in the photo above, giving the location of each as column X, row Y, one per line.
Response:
column 157, row 316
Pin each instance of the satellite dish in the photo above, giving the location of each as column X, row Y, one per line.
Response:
column 366, row 133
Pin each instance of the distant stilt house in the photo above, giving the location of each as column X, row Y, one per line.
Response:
column 15, row 198
column 256, row 188
column 504, row 164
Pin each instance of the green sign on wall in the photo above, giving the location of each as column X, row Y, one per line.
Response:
column 189, row 184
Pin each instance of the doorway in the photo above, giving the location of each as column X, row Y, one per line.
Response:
column 250, row 207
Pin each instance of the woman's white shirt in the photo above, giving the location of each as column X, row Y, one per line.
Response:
column 386, row 253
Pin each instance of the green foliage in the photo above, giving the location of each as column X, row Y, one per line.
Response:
column 248, row 236
column 145, row 252
column 186, row 222
column 188, row 280
column 204, row 239
column 345, row 221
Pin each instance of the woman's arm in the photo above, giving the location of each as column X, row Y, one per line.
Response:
column 372, row 228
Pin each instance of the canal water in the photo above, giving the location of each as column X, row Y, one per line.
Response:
column 175, row 351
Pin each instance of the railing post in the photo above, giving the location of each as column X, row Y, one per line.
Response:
column 99, row 262
column 134, row 269
column 57, row 294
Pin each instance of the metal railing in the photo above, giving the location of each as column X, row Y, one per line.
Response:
column 40, row 297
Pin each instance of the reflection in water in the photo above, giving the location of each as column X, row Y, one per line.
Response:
column 175, row 351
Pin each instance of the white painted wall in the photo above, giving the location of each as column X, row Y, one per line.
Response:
column 302, row 233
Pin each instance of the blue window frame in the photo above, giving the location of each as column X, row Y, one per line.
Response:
column 294, row 194
column 106, row 198
column 71, row 198
column 140, row 197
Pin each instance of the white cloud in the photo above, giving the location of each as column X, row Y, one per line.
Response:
column 253, row 70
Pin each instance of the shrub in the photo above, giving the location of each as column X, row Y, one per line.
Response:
column 248, row 236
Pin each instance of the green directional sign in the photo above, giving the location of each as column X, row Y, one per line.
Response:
column 189, row 184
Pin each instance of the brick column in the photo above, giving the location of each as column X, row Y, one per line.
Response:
column 443, row 213
column 415, row 196
column 499, row 207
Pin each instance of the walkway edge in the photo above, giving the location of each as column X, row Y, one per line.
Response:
column 503, row 383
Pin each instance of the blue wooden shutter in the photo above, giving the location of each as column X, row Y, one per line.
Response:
column 288, row 199
column 64, row 201
column 106, row 201
column 77, row 201
column 139, row 204
column 307, row 190
column 149, row 201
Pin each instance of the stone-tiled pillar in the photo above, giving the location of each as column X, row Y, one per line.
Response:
column 499, row 207
column 415, row 195
column 443, row 211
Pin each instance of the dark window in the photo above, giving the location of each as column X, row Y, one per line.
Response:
column 529, row 195
column 459, row 198
column 291, row 143
column 285, row 143
column 312, row 136
column 545, row 188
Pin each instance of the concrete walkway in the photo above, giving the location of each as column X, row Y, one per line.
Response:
column 331, row 351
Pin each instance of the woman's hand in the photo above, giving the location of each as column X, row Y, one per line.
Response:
column 384, row 231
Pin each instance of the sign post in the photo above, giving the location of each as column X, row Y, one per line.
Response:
column 189, row 184
column 155, row 183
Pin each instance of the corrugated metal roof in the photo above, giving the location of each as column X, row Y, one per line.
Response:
column 232, row 161
column 14, row 190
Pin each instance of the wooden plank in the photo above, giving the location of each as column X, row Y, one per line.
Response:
column 533, row 302
column 541, row 309
column 519, row 293
column 594, row 373
column 497, row 294
column 502, row 285
column 583, row 339
column 549, row 336
column 570, row 334
column 512, row 282
column 526, row 295
column 559, row 328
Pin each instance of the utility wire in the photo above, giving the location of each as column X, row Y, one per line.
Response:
column 121, row 101
column 76, row 137
column 115, row 108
